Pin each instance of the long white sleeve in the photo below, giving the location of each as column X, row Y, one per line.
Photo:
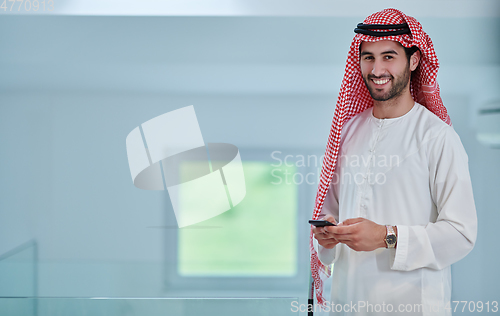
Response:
column 453, row 234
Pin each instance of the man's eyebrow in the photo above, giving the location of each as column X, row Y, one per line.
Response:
column 383, row 53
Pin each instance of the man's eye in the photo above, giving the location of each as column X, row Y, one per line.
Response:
column 368, row 57
column 388, row 57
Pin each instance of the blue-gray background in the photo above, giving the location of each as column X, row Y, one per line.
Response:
column 73, row 87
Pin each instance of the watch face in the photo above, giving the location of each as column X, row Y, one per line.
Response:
column 391, row 239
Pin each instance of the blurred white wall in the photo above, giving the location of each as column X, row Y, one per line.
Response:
column 73, row 87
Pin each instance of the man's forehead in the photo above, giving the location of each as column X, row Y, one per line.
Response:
column 380, row 46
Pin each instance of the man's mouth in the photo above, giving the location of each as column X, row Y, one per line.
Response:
column 381, row 81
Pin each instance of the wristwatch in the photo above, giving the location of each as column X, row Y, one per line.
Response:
column 390, row 238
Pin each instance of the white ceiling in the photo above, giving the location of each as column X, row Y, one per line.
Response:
column 335, row 8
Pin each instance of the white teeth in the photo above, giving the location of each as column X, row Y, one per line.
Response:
column 381, row 81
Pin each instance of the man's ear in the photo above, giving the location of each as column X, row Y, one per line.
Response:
column 414, row 60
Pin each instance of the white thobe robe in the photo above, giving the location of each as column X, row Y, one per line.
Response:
column 411, row 172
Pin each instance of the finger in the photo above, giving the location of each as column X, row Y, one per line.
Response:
column 329, row 230
column 351, row 221
column 330, row 245
column 341, row 230
column 318, row 230
column 324, row 237
column 320, row 235
column 330, row 218
column 345, row 240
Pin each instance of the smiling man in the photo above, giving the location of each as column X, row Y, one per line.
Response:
column 402, row 222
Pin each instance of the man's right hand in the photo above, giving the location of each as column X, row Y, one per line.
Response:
column 324, row 236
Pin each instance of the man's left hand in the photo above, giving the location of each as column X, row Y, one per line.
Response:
column 360, row 234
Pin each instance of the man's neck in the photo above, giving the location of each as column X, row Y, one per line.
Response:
column 395, row 107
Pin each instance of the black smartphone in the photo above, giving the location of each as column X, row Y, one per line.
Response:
column 319, row 223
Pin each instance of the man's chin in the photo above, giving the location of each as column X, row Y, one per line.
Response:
column 379, row 96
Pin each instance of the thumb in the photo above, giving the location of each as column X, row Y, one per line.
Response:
column 329, row 218
column 351, row 221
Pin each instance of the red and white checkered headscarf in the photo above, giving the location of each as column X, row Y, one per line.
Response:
column 354, row 98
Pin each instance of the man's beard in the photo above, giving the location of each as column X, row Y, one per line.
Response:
column 398, row 85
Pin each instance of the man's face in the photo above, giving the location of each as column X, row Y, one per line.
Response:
column 385, row 69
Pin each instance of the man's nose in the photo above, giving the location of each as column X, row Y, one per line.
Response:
column 378, row 68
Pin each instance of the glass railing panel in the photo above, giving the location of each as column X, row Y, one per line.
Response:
column 148, row 306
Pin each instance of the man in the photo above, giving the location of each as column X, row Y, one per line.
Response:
column 395, row 177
